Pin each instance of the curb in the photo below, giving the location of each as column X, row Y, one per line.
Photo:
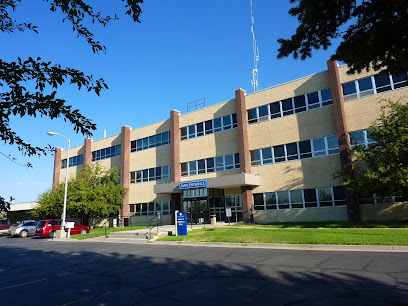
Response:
column 272, row 246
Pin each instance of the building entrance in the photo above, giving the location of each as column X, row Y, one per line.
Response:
column 197, row 211
column 201, row 203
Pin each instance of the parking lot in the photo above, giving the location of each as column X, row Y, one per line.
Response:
column 36, row 270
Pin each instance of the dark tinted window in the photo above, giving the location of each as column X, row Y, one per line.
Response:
column 275, row 109
column 291, row 151
column 208, row 127
column 382, row 82
column 300, row 104
column 310, row 197
column 287, row 107
column 349, row 88
column 305, row 149
column 279, row 153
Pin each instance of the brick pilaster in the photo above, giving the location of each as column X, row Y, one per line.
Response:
column 125, row 170
column 175, row 146
column 87, row 151
column 57, row 167
column 244, row 155
column 342, row 135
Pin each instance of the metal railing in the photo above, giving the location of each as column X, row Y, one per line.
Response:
column 149, row 223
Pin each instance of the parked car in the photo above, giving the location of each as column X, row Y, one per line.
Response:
column 4, row 225
column 47, row 228
column 22, row 229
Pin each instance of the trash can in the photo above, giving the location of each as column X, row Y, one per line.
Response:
column 213, row 219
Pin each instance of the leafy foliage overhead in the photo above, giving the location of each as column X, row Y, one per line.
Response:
column 382, row 168
column 46, row 77
column 373, row 33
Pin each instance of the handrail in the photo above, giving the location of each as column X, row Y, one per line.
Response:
column 157, row 224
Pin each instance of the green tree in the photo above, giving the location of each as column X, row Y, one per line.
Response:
column 373, row 33
column 93, row 193
column 46, row 77
column 4, row 205
column 382, row 168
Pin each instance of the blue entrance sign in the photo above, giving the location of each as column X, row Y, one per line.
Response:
column 195, row 184
column 181, row 223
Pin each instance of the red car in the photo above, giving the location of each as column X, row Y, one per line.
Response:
column 47, row 228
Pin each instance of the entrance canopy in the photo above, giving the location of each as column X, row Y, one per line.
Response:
column 227, row 181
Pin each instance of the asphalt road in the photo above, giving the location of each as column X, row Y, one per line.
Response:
column 45, row 272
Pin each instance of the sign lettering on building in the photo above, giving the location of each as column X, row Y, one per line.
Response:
column 194, row 184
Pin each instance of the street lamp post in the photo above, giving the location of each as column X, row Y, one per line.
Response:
column 64, row 212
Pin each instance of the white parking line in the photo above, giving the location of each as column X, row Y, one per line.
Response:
column 19, row 285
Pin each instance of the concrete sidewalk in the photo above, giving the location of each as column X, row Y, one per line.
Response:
column 139, row 236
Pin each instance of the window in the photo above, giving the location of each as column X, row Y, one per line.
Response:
column 365, row 87
column 259, row 201
column 263, row 113
column 152, row 141
column 287, row 107
column 152, row 174
column 310, row 198
column 252, row 116
column 208, row 127
column 400, row 80
column 158, row 173
column 325, row 197
column 210, row 165
column 234, row 121
column 226, row 122
column 184, row 169
column 283, row 199
column 382, row 82
column 192, row 168
column 300, row 103
column 275, row 110
column 256, row 157
column 229, row 162
column 319, row 147
column 339, row 196
column 191, row 131
column 292, row 151
column 183, row 133
column 217, row 125
column 357, row 137
column 296, row 198
column 219, row 163
column 267, row 156
column 313, row 100
column 326, row 97
column 200, row 129
column 305, row 149
column 279, row 153
column 201, row 166
column 333, row 144
column 349, row 90
column 270, row 200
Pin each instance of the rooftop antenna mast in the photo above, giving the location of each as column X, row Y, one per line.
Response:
column 255, row 49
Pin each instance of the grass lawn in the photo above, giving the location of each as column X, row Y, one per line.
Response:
column 100, row 231
column 333, row 224
column 352, row 236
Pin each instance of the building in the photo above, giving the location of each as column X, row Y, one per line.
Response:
column 20, row 211
column 269, row 155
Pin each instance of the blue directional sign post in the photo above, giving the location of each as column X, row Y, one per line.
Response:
column 181, row 222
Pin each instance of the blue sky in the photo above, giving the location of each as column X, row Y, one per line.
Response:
column 181, row 51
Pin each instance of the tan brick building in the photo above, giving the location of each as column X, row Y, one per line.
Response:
column 269, row 155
